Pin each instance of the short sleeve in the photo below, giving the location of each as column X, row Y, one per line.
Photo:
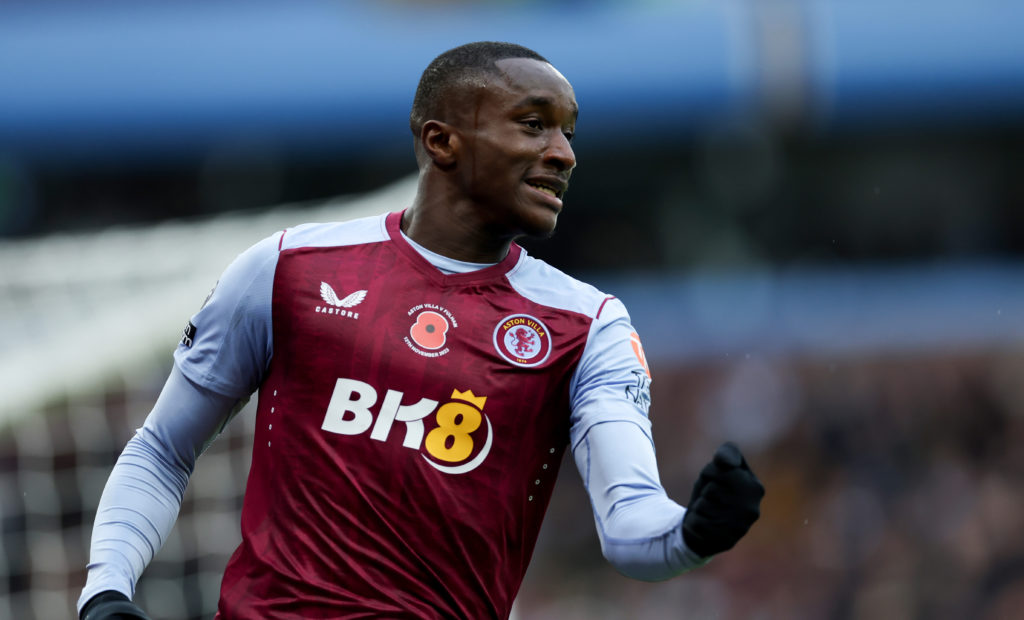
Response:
column 612, row 382
column 228, row 344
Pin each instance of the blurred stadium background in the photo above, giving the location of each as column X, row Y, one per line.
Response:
column 813, row 209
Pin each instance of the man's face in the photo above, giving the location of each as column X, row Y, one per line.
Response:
column 516, row 157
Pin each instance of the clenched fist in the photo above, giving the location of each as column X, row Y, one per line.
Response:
column 726, row 501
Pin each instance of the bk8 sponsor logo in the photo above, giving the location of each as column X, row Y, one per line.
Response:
column 447, row 447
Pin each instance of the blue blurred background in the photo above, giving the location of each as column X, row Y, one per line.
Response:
column 812, row 208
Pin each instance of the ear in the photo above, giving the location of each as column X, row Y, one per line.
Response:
column 440, row 142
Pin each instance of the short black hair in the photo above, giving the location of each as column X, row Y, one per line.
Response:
column 456, row 67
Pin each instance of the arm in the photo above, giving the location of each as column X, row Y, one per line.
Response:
column 219, row 363
column 141, row 499
column 640, row 528
column 643, row 533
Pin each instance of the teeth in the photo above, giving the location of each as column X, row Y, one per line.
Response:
column 544, row 188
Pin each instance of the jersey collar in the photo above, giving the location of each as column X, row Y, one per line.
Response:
column 393, row 224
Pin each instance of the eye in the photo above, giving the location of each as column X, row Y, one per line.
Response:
column 533, row 123
column 569, row 135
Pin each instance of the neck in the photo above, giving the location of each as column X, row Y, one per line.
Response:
column 450, row 226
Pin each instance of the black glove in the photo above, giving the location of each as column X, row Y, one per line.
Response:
column 111, row 605
column 726, row 501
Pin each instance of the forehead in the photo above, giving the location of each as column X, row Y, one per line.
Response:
column 525, row 81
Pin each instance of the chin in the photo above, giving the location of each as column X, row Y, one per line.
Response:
column 548, row 232
column 530, row 220
column 541, row 227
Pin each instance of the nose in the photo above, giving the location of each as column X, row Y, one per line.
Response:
column 559, row 153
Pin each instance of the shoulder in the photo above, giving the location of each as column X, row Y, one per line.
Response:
column 353, row 232
column 541, row 283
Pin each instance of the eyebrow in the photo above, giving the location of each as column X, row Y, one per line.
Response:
column 540, row 102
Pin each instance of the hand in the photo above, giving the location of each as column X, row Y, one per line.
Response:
column 726, row 501
column 111, row 605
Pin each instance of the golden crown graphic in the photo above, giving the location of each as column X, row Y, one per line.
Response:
column 469, row 397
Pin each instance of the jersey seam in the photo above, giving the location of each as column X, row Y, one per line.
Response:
column 644, row 540
column 599, row 422
column 208, row 377
column 600, row 521
column 588, row 317
column 586, row 345
column 315, row 226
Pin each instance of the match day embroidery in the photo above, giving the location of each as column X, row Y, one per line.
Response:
column 430, row 329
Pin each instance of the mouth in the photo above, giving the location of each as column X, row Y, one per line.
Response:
column 554, row 188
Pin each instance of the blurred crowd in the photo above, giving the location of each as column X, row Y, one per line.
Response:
column 895, row 490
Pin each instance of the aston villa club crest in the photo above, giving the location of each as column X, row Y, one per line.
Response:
column 522, row 340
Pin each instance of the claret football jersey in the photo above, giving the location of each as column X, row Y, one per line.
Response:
column 410, row 423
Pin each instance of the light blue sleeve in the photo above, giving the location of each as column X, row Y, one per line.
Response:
column 639, row 527
column 141, row 499
column 228, row 344
column 612, row 381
